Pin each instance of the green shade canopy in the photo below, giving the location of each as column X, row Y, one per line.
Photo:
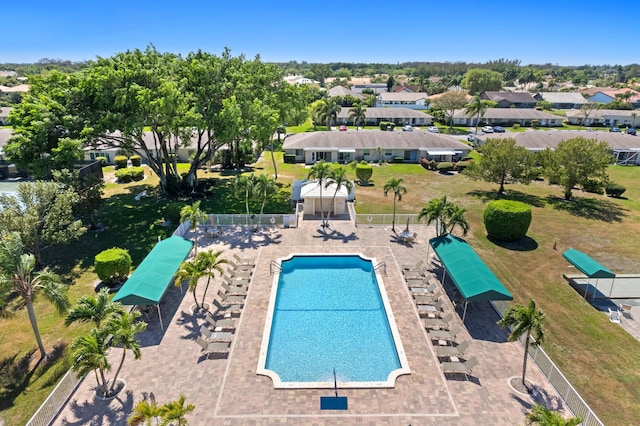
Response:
column 474, row 279
column 586, row 264
column 150, row 280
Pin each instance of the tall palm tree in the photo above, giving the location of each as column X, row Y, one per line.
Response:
column 195, row 216
column 435, row 211
column 174, row 412
column 455, row 218
column 123, row 329
column 328, row 109
column 320, row 171
column 357, row 113
column 338, row 176
column 244, row 186
column 264, row 187
column 395, row 185
column 524, row 320
column 90, row 353
column 145, row 412
column 543, row 416
column 17, row 273
column 190, row 271
column 94, row 309
column 476, row 107
column 209, row 262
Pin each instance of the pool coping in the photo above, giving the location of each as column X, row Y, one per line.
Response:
column 395, row 334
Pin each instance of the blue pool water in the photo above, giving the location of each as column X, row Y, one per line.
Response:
column 329, row 314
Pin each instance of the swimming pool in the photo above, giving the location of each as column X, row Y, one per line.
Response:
column 330, row 312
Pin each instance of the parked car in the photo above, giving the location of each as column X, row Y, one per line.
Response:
column 343, row 128
column 498, row 129
column 433, row 129
column 471, row 138
column 630, row 131
column 407, row 128
column 615, row 129
column 487, row 129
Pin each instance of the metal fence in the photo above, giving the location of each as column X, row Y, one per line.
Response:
column 386, row 219
column 56, row 400
column 567, row 392
column 222, row 220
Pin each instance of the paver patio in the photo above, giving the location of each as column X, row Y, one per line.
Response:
column 228, row 391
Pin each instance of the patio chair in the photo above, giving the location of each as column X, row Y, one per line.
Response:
column 412, row 239
column 430, row 309
column 237, row 282
column 614, row 316
column 626, row 310
column 220, row 324
column 417, row 281
column 415, row 274
column 413, row 267
column 424, row 290
column 449, row 351
column 465, row 367
column 215, row 336
column 438, row 322
column 244, row 261
column 240, row 275
column 227, row 309
column 448, row 335
column 225, row 298
column 427, row 299
column 233, row 291
column 209, row 348
column 237, row 268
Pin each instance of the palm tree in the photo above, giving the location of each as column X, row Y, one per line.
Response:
column 524, row 320
column 174, row 412
column 264, row 186
column 144, row 412
column 244, row 185
column 320, row 171
column 455, row 218
column 123, row 329
column 395, row 185
column 209, row 262
column 358, row 113
column 328, row 110
column 90, row 353
column 94, row 309
column 190, row 271
column 435, row 211
column 543, row 416
column 17, row 273
column 195, row 216
column 338, row 176
column 476, row 107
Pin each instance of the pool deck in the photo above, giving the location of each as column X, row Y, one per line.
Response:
column 227, row 391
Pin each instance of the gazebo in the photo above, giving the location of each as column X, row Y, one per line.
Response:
column 314, row 195
column 472, row 277
column 152, row 277
column 588, row 266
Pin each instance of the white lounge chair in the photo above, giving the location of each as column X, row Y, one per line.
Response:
column 427, row 299
column 215, row 336
column 419, row 273
column 221, row 324
column 423, row 290
column 233, row 291
column 237, row 282
column 443, row 322
column 448, row 335
column 465, row 367
column 614, row 316
column 237, row 268
column 234, row 300
column 209, row 348
column 413, row 267
column 227, row 309
column 449, row 351
column 244, row 261
column 626, row 310
column 430, row 309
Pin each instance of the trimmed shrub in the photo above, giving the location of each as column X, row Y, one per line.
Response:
column 515, row 126
column 387, row 125
column 594, row 186
column 364, row 173
column 507, row 220
column 444, row 167
column 535, row 123
column 171, row 212
column 461, row 165
column 112, row 265
column 103, row 161
column 120, row 161
column 136, row 161
column 127, row 175
column 614, row 189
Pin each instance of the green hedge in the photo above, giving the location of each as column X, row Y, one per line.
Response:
column 112, row 265
column 103, row 161
column 461, row 165
column 171, row 212
column 614, row 190
column 364, row 171
column 507, row 220
column 136, row 161
column 120, row 161
column 444, row 167
column 127, row 175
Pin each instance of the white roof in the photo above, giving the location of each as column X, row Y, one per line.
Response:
column 440, row 152
column 312, row 190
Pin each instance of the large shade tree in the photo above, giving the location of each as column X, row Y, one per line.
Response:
column 18, row 274
column 478, row 80
column 449, row 102
column 395, row 186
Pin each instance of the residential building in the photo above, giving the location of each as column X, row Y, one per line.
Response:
column 510, row 99
column 562, row 100
column 604, row 117
column 508, row 117
column 607, row 94
column 412, row 100
column 399, row 116
column 342, row 92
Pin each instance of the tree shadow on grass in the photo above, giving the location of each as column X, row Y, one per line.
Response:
column 486, row 196
column 525, row 244
column 589, row 208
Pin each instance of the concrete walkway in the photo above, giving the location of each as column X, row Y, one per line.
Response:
column 228, row 391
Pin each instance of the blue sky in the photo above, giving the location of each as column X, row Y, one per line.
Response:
column 570, row 32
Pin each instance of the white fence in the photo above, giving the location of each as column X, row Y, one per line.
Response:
column 221, row 220
column 386, row 219
column 56, row 400
column 567, row 392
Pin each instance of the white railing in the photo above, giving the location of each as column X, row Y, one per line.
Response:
column 386, row 219
column 279, row 220
column 567, row 392
column 56, row 400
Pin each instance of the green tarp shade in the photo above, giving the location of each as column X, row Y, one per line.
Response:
column 474, row 279
column 586, row 264
column 150, row 280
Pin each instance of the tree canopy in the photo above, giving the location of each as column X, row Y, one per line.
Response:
column 449, row 102
column 478, row 80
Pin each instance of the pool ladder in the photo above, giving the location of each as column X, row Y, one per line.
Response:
column 382, row 266
column 274, row 265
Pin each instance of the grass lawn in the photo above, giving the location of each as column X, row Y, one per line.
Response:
column 598, row 357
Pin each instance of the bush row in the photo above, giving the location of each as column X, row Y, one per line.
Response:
column 127, row 175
